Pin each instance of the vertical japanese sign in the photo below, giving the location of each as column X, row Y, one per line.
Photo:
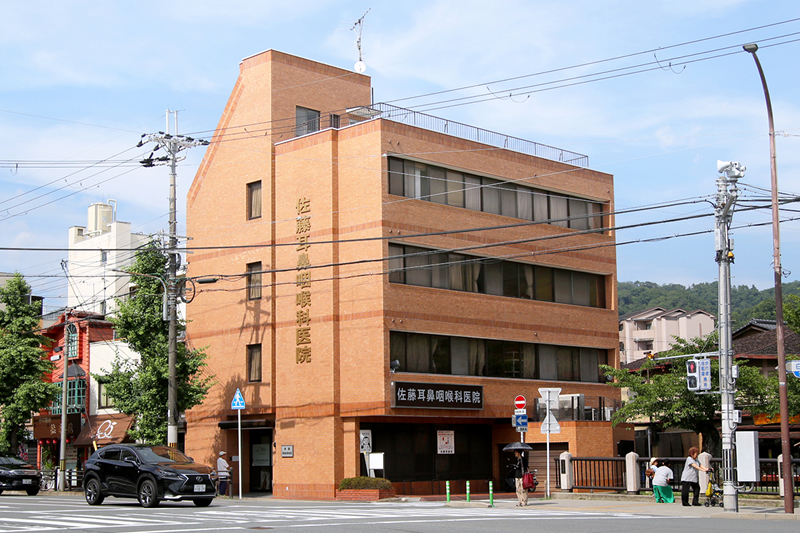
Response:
column 303, row 296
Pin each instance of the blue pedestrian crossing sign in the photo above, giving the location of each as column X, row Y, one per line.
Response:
column 238, row 400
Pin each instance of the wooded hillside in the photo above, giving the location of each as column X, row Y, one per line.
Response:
column 747, row 302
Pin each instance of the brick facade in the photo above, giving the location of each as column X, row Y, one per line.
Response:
column 318, row 406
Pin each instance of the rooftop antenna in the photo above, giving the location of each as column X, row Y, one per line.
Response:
column 358, row 27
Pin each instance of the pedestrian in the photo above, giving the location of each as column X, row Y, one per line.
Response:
column 651, row 471
column 223, row 474
column 519, row 471
column 662, row 477
column 690, row 479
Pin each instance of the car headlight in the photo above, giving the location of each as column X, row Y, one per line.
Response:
column 169, row 475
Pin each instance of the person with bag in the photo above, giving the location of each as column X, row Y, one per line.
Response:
column 519, row 472
column 662, row 490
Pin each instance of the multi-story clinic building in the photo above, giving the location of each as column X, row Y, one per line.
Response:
column 391, row 275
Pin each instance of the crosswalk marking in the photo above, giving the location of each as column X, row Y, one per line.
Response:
column 238, row 516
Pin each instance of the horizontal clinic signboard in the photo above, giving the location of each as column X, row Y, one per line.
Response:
column 436, row 395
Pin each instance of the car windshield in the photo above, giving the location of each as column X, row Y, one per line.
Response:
column 162, row 454
column 12, row 461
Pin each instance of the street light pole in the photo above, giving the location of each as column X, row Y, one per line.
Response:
column 786, row 449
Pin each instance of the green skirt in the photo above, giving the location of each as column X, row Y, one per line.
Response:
column 663, row 494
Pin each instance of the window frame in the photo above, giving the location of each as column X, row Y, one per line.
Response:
column 254, row 281
column 254, row 200
column 254, row 353
column 307, row 120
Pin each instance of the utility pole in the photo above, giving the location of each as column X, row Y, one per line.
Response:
column 727, row 378
column 173, row 144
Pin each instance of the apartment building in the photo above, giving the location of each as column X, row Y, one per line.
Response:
column 389, row 281
column 97, row 254
column 654, row 330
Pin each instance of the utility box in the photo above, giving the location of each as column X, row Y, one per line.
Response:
column 748, row 469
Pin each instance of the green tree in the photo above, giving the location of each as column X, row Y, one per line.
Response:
column 791, row 315
column 140, row 387
column 23, row 390
column 660, row 393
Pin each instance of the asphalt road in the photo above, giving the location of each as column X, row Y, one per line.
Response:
column 64, row 513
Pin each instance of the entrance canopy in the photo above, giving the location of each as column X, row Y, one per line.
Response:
column 105, row 430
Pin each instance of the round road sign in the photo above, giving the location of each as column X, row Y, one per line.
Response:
column 519, row 402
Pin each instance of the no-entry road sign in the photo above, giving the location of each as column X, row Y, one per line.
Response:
column 519, row 402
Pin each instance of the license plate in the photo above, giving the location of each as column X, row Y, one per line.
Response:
column 27, row 482
column 199, row 488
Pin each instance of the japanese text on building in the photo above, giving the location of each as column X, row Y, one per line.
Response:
column 303, row 282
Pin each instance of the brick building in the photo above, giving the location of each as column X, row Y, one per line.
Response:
column 389, row 276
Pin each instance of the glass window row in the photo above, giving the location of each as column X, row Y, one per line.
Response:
column 442, row 186
column 462, row 356
column 413, row 265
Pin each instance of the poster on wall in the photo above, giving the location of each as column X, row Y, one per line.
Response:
column 446, row 442
column 366, row 440
column 262, row 454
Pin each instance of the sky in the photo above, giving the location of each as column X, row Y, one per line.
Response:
column 652, row 92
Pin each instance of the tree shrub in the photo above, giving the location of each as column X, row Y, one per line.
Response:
column 364, row 482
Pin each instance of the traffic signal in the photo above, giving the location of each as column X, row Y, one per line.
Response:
column 692, row 374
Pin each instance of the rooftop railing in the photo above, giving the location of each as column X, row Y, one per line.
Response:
column 445, row 126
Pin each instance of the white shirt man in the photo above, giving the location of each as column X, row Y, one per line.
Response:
column 223, row 473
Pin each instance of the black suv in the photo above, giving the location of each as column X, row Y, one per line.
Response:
column 149, row 473
column 16, row 474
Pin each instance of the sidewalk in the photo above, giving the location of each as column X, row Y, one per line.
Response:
column 749, row 509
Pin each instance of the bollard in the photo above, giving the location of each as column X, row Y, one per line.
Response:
column 467, row 490
column 447, row 486
column 491, row 495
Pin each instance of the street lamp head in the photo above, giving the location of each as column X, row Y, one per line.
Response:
column 751, row 48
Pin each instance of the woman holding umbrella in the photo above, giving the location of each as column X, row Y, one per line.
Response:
column 519, row 471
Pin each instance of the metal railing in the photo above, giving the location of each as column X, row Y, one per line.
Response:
column 597, row 473
column 50, row 480
column 578, row 407
column 769, row 484
column 441, row 125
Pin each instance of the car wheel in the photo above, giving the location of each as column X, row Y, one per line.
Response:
column 148, row 494
column 92, row 492
column 33, row 491
column 204, row 502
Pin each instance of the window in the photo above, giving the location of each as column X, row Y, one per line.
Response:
column 103, row 257
column 254, row 281
column 72, row 341
column 425, row 354
column 76, row 397
column 396, row 272
column 413, row 265
column 127, row 455
column 254, row 200
column 254, row 363
column 306, row 121
column 104, row 401
column 442, row 186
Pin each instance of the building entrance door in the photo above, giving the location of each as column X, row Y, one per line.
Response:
column 261, row 460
